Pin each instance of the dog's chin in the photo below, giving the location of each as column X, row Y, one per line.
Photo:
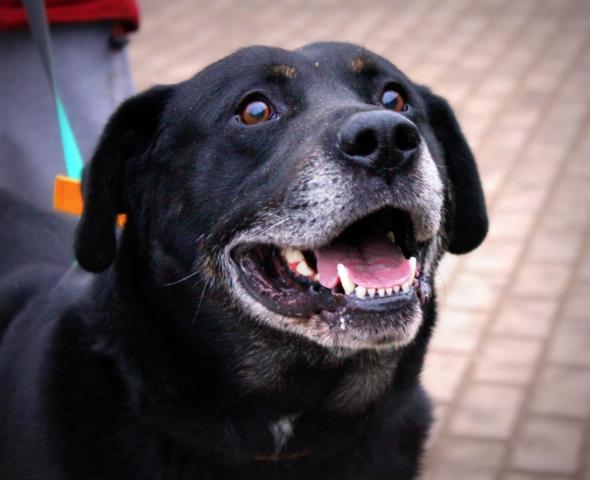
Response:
column 363, row 289
column 346, row 328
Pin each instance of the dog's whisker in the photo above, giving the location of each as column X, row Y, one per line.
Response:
column 280, row 222
column 200, row 302
column 183, row 279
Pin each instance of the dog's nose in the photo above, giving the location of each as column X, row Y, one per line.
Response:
column 378, row 139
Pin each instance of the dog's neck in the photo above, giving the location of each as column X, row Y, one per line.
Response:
column 273, row 363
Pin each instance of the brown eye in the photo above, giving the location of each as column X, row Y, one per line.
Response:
column 255, row 112
column 393, row 100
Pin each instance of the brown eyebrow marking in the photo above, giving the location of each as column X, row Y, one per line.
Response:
column 359, row 64
column 363, row 66
column 283, row 71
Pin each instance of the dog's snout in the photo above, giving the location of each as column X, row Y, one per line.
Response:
column 379, row 140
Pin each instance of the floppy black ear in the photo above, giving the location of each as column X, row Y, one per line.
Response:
column 468, row 220
column 127, row 135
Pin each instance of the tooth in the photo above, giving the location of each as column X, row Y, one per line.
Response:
column 371, row 291
column 389, row 290
column 292, row 255
column 406, row 287
column 412, row 268
column 303, row 269
column 316, row 278
column 360, row 291
column 347, row 284
column 381, row 292
column 396, row 288
column 391, row 236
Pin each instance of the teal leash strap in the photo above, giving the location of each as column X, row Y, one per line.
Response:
column 71, row 152
column 40, row 31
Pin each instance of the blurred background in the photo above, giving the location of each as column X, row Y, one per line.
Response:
column 509, row 365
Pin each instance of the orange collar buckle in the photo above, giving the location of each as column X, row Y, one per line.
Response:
column 67, row 198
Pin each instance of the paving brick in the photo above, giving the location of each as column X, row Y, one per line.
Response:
column 545, row 172
column 442, row 375
column 570, row 348
column 497, row 258
column 510, row 226
column 525, row 318
column 487, row 412
column 523, row 476
column 507, row 360
column 541, row 280
column 468, row 460
column 584, row 266
column 547, row 445
column 457, row 331
column 496, row 86
column 573, row 191
column 563, row 391
column 576, row 311
column 475, row 291
column 565, row 218
column 523, row 199
column 555, row 247
column 440, row 413
column 544, row 153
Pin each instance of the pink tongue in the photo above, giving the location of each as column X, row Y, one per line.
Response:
column 375, row 263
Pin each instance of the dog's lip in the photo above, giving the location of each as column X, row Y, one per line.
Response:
column 304, row 300
column 241, row 245
column 264, row 274
column 286, row 293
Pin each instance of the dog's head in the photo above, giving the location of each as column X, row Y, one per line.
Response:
column 313, row 191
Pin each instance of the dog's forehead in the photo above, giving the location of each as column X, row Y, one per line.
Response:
column 335, row 56
column 318, row 64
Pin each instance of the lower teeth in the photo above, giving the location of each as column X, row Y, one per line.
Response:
column 298, row 264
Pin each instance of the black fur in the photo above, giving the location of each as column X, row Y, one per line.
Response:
column 134, row 373
column 468, row 220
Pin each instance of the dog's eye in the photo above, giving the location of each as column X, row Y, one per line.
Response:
column 255, row 112
column 393, row 100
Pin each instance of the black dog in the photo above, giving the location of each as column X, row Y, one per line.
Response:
column 266, row 309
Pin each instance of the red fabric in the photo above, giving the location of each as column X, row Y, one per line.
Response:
column 12, row 13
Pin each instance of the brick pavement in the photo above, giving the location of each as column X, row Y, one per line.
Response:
column 509, row 364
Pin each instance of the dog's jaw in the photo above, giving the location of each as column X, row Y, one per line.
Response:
column 338, row 334
column 334, row 205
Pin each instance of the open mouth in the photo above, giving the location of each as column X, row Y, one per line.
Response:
column 374, row 265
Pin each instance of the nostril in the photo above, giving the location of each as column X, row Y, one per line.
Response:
column 406, row 137
column 363, row 144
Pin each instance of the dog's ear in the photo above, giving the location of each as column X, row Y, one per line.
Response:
column 127, row 135
column 467, row 222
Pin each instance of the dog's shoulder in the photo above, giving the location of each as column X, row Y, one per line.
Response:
column 62, row 385
column 45, row 304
